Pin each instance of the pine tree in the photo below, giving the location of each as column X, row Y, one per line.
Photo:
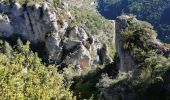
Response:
column 7, row 49
column 19, row 45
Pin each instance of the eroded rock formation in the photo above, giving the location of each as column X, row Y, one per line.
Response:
column 43, row 23
column 126, row 61
column 126, row 57
column 134, row 40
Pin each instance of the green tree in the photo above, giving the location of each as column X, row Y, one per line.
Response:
column 23, row 76
column 19, row 45
column 7, row 49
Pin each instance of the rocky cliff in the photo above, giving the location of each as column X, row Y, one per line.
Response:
column 65, row 41
column 126, row 61
column 132, row 34
column 143, row 61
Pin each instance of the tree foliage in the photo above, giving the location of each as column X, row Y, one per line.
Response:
column 153, row 11
column 23, row 76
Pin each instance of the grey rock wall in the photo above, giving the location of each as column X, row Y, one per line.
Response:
column 44, row 23
column 126, row 61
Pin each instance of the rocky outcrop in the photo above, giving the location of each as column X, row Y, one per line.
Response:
column 43, row 23
column 33, row 23
column 79, row 57
column 126, row 61
column 143, row 31
column 5, row 26
column 37, row 23
column 134, row 40
column 159, row 47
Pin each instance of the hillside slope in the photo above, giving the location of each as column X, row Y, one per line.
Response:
column 75, row 53
column 155, row 12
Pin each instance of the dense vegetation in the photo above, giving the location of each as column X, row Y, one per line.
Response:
column 151, row 64
column 147, row 80
column 153, row 11
column 24, row 76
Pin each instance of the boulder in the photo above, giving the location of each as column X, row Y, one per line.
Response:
column 80, row 57
column 78, row 33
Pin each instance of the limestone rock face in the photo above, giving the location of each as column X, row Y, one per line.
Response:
column 37, row 23
column 33, row 23
column 80, row 57
column 126, row 62
column 44, row 23
column 5, row 26
column 53, row 48
column 78, row 33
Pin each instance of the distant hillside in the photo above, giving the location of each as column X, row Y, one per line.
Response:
column 156, row 12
